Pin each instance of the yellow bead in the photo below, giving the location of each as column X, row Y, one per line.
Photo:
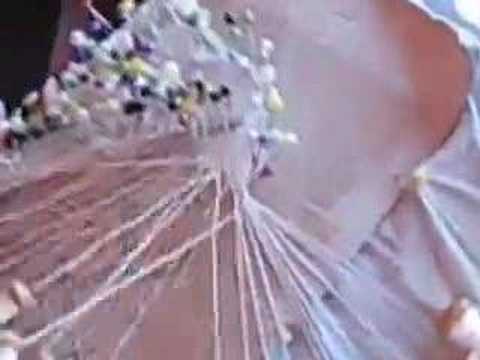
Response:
column 126, row 7
column 274, row 101
column 136, row 66
column 190, row 106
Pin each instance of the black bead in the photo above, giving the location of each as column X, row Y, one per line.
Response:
column 119, row 21
column 20, row 138
column 25, row 112
column 114, row 54
column 200, row 86
column 99, row 84
column 225, row 91
column 133, row 107
column 53, row 122
column 127, row 79
column 146, row 91
column 130, row 54
column 229, row 18
column 36, row 133
column 215, row 96
column 172, row 105
column 82, row 55
column 84, row 78
column 266, row 172
column 262, row 140
column 192, row 20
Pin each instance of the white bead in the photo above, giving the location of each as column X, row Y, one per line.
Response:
column 287, row 137
column 81, row 114
column 257, row 99
column 238, row 32
column 123, row 41
column 69, row 77
column 18, row 124
column 185, row 7
column 249, row 16
column 79, row 39
column 267, row 47
column 204, row 18
column 274, row 101
column 291, row 138
column 31, row 98
column 8, row 309
column 126, row 6
column 113, row 104
column 171, row 73
column 469, row 10
column 8, row 353
column 77, row 69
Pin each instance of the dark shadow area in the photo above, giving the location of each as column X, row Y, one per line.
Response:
column 27, row 32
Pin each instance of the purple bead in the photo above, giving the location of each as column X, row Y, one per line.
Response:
column 81, row 55
column 266, row 172
column 142, row 47
column 97, row 29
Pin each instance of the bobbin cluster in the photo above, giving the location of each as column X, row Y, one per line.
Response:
column 120, row 72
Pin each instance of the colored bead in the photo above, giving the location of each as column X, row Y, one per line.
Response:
column 96, row 28
column 126, row 7
column 142, row 47
column 171, row 73
column 53, row 122
column 79, row 39
column 229, row 19
column 136, row 66
column 267, row 47
column 274, row 101
column 146, row 91
column 215, row 96
column 133, row 107
column 249, row 16
column 225, row 91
